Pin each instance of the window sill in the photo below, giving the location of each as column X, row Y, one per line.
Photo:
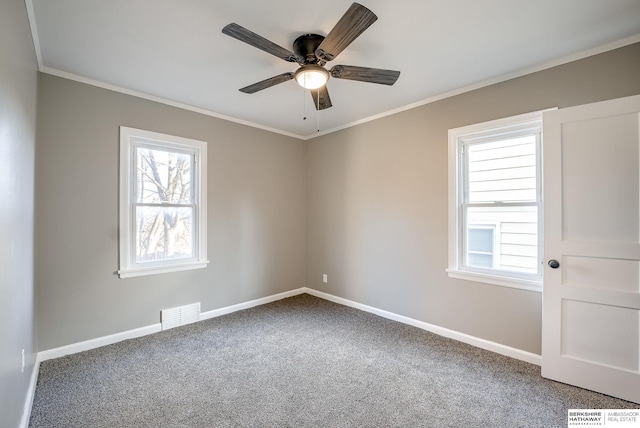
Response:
column 522, row 284
column 153, row 270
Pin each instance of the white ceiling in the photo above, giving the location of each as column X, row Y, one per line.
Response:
column 174, row 50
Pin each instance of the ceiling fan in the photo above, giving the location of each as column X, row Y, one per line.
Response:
column 313, row 51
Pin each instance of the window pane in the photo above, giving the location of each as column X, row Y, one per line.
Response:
column 480, row 260
column 516, row 236
column 163, row 233
column 480, row 240
column 503, row 171
column 163, row 176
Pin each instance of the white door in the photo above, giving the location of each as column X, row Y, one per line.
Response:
column 591, row 299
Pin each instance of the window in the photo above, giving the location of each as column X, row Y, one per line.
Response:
column 163, row 203
column 481, row 251
column 495, row 202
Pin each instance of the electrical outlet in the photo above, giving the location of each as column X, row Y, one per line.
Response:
column 23, row 362
column 324, row 278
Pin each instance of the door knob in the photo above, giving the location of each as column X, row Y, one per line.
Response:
column 554, row 264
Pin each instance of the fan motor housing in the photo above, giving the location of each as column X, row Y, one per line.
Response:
column 305, row 47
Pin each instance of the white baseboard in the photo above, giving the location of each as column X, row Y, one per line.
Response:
column 31, row 392
column 98, row 342
column 154, row 328
column 143, row 331
column 250, row 304
column 441, row 331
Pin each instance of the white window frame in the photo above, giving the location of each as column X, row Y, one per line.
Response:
column 130, row 138
column 515, row 125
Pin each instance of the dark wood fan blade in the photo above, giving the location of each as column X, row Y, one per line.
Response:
column 365, row 74
column 324, row 101
column 355, row 20
column 238, row 32
column 267, row 83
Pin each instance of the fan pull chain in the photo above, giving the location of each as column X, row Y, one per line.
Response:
column 318, row 111
column 304, row 105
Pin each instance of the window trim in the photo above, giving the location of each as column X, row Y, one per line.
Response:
column 130, row 138
column 456, row 269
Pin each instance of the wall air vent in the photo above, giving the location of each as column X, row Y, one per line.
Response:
column 174, row 317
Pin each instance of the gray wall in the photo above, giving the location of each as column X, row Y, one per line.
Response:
column 368, row 206
column 377, row 202
column 256, row 214
column 18, row 84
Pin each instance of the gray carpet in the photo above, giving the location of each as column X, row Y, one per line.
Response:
column 300, row 362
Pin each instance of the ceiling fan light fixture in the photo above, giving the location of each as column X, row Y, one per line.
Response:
column 313, row 51
column 312, row 76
